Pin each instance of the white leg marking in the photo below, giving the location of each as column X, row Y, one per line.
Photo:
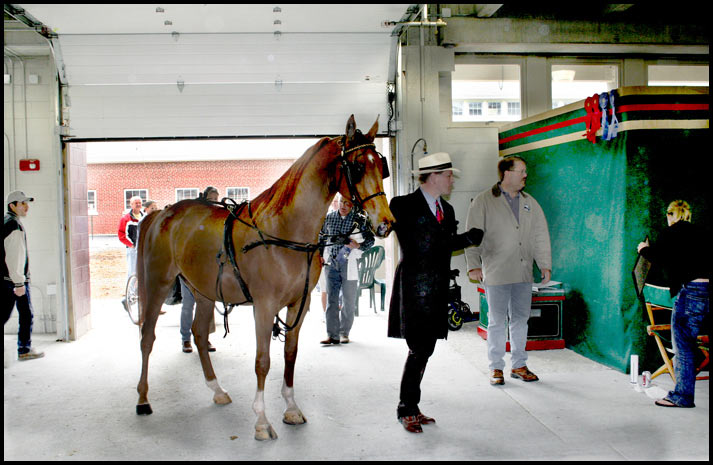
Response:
column 220, row 396
column 288, row 394
column 293, row 414
column 263, row 428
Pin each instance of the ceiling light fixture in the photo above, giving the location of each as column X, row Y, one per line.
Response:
column 563, row 75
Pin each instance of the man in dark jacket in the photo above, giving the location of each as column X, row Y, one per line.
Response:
column 426, row 230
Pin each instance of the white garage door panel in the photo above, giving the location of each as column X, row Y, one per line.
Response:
column 223, row 110
column 124, row 86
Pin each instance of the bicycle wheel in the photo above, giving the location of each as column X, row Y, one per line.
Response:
column 455, row 322
column 131, row 299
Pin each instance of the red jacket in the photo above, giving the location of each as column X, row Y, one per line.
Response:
column 129, row 229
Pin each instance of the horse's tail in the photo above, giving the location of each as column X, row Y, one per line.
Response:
column 144, row 226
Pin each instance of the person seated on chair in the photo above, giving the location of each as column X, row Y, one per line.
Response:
column 683, row 253
column 188, row 302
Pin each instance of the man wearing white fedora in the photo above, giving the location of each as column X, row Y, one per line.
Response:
column 426, row 230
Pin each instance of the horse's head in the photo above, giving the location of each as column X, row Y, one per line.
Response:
column 363, row 170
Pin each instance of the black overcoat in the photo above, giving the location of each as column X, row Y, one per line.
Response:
column 419, row 300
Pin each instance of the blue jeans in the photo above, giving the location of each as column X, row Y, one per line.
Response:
column 188, row 303
column 131, row 254
column 690, row 312
column 24, row 309
column 340, row 321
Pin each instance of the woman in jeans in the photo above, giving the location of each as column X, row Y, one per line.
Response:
column 683, row 253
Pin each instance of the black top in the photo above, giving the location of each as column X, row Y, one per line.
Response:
column 682, row 252
column 419, row 300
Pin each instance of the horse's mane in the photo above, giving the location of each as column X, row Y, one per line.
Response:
column 283, row 191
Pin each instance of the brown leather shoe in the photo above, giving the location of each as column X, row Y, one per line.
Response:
column 496, row 377
column 187, row 347
column 424, row 420
column 523, row 374
column 329, row 340
column 411, row 424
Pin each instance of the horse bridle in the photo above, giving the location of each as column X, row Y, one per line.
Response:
column 354, row 172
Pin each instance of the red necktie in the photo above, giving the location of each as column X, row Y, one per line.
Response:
column 439, row 212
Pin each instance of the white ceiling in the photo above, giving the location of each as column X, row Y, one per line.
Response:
column 220, row 18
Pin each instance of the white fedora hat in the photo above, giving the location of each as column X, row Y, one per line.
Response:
column 439, row 161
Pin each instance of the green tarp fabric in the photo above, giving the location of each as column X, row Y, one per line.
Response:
column 601, row 200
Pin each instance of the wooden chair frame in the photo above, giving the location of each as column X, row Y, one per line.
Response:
column 655, row 329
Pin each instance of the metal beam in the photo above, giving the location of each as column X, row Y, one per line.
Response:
column 486, row 10
column 509, row 35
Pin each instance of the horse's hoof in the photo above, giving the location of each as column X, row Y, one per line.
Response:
column 294, row 417
column 144, row 409
column 265, row 432
column 222, row 398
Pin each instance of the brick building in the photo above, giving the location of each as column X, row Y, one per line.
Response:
column 110, row 185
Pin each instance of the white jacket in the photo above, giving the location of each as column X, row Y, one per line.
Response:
column 508, row 247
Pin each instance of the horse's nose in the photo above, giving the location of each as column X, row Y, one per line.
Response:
column 384, row 229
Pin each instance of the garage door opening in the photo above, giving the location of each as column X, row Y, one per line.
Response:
column 104, row 176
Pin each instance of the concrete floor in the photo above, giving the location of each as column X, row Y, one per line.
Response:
column 78, row 402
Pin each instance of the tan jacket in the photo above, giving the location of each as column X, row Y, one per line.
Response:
column 508, row 248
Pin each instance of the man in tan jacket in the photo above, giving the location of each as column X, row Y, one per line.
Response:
column 515, row 234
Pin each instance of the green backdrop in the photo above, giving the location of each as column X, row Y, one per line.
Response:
column 602, row 199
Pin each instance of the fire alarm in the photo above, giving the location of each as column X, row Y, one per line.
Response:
column 29, row 164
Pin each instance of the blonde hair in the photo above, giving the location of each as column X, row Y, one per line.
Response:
column 679, row 210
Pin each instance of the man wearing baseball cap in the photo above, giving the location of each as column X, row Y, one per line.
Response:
column 16, row 273
column 426, row 229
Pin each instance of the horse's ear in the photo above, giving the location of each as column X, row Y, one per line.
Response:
column 351, row 129
column 374, row 129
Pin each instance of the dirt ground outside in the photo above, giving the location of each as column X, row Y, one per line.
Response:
column 107, row 272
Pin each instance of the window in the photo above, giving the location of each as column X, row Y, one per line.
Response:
column 514, row 109
column 678, row 75
column 457, row 110
column 481, row 84
column 92, row 202
column 493, row 108
column 128, row 193
column 238, row 193
column 574, row 82
column 186, row 193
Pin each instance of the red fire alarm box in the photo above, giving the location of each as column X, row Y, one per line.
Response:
column 29, row 164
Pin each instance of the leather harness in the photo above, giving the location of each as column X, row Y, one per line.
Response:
column 228, row 248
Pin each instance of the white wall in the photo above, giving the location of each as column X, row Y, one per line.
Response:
column 473, row 147
column 42, row 223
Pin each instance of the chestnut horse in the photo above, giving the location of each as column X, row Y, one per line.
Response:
column 263, row 263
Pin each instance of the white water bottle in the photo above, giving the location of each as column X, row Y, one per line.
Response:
column 634, row 369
